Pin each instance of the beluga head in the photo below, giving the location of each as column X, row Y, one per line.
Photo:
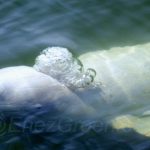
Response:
column 60, row 64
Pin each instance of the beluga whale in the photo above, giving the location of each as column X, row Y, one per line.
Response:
column 113, row 85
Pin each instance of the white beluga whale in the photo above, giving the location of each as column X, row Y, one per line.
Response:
column 51, row 81
column 110, row 84
column 125, row 75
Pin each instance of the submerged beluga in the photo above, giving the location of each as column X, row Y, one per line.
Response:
column 111, row 84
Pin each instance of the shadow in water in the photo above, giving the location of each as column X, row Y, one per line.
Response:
column 29, row 131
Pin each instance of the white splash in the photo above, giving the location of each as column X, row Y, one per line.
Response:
column 60, row 64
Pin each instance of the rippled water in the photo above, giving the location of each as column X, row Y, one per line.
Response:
column 27, row 27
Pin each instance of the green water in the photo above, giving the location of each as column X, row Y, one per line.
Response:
column 28, row 26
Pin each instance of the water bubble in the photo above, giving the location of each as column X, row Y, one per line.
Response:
column 60, row 64
column 92, row 73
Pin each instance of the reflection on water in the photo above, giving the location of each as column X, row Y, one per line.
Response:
column 28, row 26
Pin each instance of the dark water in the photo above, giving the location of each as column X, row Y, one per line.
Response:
column 28, row 26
